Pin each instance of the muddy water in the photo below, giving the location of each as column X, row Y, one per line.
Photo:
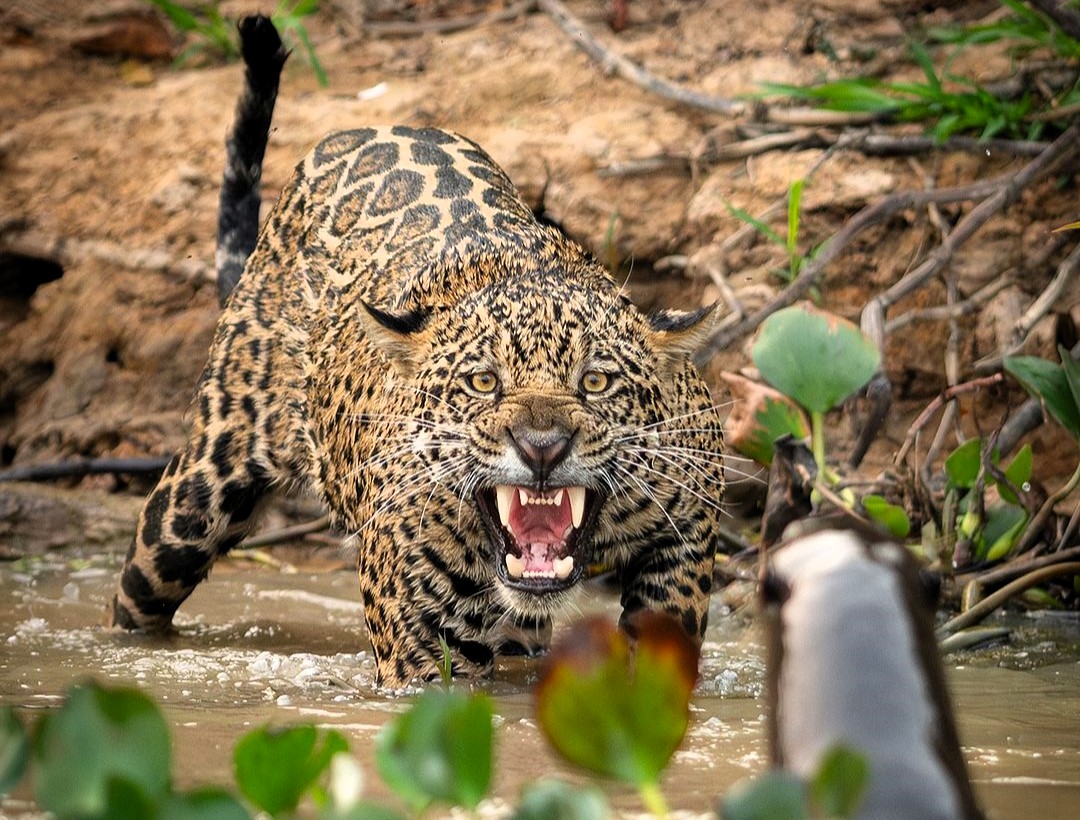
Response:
column 257, row 646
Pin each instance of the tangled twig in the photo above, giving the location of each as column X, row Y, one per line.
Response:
column 993, row 194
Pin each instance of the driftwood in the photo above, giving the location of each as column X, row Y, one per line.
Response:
column 80, row 467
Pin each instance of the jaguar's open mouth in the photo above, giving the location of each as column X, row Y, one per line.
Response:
column 536, row 534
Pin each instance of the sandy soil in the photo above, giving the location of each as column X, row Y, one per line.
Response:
column 110, row 166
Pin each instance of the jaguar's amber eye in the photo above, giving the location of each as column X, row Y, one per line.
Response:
column 595, row 382
column 483, row 382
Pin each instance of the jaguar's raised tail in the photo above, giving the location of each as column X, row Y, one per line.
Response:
column 238, row 209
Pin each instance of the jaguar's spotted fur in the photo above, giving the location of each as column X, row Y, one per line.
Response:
column 467, row 390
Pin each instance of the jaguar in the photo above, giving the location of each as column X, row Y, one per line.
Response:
column 481, row 408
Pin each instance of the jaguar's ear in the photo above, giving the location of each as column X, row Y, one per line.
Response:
column 681, row 333
column 396, row 335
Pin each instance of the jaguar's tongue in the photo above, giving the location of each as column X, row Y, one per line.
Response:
column 539, row 525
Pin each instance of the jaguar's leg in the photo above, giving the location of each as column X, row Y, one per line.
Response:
column 528, row 636
column 419, row 594
column 673, row 575
column 204, row 504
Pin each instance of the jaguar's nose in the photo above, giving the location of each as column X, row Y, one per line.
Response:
column 541, row 450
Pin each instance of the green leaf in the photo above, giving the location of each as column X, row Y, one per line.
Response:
column 1072, row 373
column 1047, row 382
column 815, row 357
column 202, row 804
column 180, row 16
column 759, row 416
column 775, row 795
column 1004, row 523
column 124, row 800
column 793, row 213
column 963, row 464
column 364, row 810
column 263, row 755
column 1037, row 596
column 1018, row 473
column 100, row 736
column 613, row 711
column 890, row 516
column 439, row 751
column 840, row 782
column 14, row 749
column 758, row 225
column 544, row 799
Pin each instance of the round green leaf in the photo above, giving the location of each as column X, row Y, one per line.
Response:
column 815, row 357
column 276, row 767
column 364, row 810
column 203, row 804
column 125, row 800
column 776, row 795
column 840, row 782
column 439, row 751
column 14, row 749
column 545, row 799
column 100, row 736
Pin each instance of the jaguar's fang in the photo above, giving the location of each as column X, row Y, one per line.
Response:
column 538, row 533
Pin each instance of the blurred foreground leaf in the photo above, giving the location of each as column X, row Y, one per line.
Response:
column 544, row 799
column 263, row 757
column 103, row 750
column 439, row 751
column 775, row 795
column 202, row 804
column 14, row 749
column 840, row 782
column 616, row 712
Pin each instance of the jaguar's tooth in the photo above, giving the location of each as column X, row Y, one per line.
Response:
column 504, row 495
column 556, row 501
column 577, row 504
column 523, row 496
column 515, row 566
column 563, row 566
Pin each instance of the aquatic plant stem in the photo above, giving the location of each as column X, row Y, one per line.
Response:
column 1038, row 522
column 653, row 799
column 997, row 599
column 817, row 439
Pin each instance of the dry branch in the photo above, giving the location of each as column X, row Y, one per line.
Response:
column 994, row 194
column 991, row 602
column 1016, row 567
column 944, row 396
column 1066, row 272
column 285, row 534
column 613, row 63
column 398, row 28
column 79, row 467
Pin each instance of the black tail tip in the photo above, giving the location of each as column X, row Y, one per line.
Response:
column 260, row 43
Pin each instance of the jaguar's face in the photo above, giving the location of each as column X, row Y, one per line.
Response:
column 538, row 398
